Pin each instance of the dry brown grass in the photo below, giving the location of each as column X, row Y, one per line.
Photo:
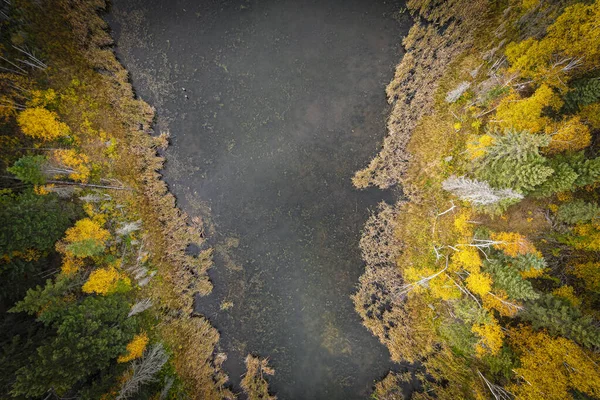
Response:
column 193, row 342
column 429, row 53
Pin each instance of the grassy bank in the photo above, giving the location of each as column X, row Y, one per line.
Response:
column 80, row 170
column 486, row 273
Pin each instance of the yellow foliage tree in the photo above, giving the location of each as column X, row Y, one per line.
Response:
column 86, row 238
column 526, row 114
column 442, row 287
column 572, row 40
column 591, row 115
column 586, row 237
column 135, row 348
column 479, row 283
column 500, row 302
column 491, row 337
column 552, row 366
column 477, row 148
column 529, row 4
column 513, row 244
column 467, row 258
column 589, row 273
column 568, row 135
column 42, row 98
column 462, row 223
column 106, row 281
column 71, row 265
column 532, row 272
column 75, row 162
column 40, row 123
column 439, row 284
column 568, row 293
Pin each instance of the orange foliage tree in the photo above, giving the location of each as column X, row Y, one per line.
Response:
column 513, row 244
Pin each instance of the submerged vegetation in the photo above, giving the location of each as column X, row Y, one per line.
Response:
column 254, row 383
column 487, row 274
column 97, row 282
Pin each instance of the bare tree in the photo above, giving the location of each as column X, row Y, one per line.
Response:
column 168, row 385
column 455, row 94
column 129, row 227
column 498, row 392
column 478, row 192
column 144, row 370
column 139, row 307
column 31, row 60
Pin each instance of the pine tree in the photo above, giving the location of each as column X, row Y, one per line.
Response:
column 559, row 317
column 30, row 221
column 45, row 301
column 459, row 337
column 514, row 144
column 31, row 225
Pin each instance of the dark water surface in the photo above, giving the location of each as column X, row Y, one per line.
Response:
column 283, row 101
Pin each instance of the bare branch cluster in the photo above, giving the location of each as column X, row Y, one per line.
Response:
column 144, row 370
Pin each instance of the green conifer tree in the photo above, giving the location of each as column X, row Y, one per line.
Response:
column 582, row 93
column 89, row 335
column 561, row 180
column 29, row 169
column 559, row 317
column 513, row 160
column 577, row 211
column 507, row 278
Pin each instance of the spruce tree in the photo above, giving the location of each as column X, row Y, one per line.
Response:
column 523, row 262
column 513, row 161
column 561, row 180
column 577, row 211
column 89, row 335
column 582, row 93
column 587, row 169
column 507, row 278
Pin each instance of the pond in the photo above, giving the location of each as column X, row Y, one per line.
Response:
column 272, row 106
